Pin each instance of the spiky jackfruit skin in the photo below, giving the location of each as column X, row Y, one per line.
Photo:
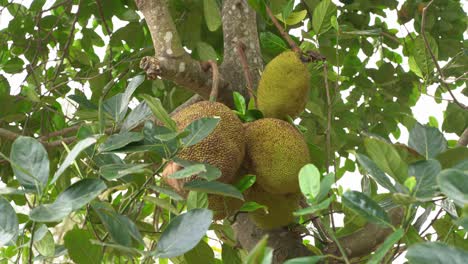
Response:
column 280, row 207
column 224, row 148
column 284, row 87
column 223, row 206
column 276, row 151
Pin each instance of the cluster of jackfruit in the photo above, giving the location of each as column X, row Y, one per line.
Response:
column 270, row 148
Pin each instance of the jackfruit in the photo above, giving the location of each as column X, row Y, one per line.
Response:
column 223, row 148
column 275, row 153
column 284, row 87
column 223, row 206
column 280, row 207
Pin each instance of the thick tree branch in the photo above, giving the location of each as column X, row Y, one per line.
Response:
column 240, row 28
column 463, row 140
column 365, row 240
column 171, row 62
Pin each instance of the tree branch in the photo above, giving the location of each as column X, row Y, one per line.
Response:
column 428, row 48
column 463, row 140
column 171, row 62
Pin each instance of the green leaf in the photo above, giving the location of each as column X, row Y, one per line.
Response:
column 200, row 129
column 454, row 184
column 272, row 43
column 189, row 171
column 309, row 180
column 81, row 193
column 209, row 173
column 251, row 206
column 53, row 212
column 197, row 200
column 315, row 208
column 365, row 207
column 245, row 182
column 172, row 194
column 8, row 223
column 46, row 245
column 163, row 203
column 323, row 12
column 117, row 141
column 117, row 171
column 453, row 157
column 422, row 56
column 426, row 172
column 427, row 141
column 230, row 255
column 325, row 186
column 202, row 253
column 183, row 233
column 77, row 149
column 127, row 95
column 239, row 102
column 79, row 247
column 73, row 198
column 205, row 51
column 293, row 18
column 30, row 163
column 260, row 254
column 387, row 158
column 14, row 65
column 212, row 14
column 436, row 253
column 377, row 174
column 159, row 111
column 138, row 115
column 305, row 260
column 379, row 254
column 214, row 187
column 114, row 223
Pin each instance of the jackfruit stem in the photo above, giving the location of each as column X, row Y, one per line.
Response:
column 245, row 68
column 283, row 33
column 215, row 75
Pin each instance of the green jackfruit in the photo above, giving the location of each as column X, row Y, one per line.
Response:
column 284, row 87
column 280, row 207
column 224, row 148
column 276, row 151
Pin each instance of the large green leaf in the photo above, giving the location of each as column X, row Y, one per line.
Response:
column 118, row 141
column 366, row 207
column 77, row 149
column 117, row 171
column 309, row 180
column 387, row 158
column 127, row 95
column 214, row 187
column 30, row 163
column 8, row 223
column 454, row 184
column 202, row 253
column 159, row 112
column 199, row 129
column 183, row 233
column 436, row 253
column 212, row 14
column 80, row 249
column 427, row 141
column 53, row 212
column 138, row 115
column 321, row 18
column 377, row 174
column 46, row 245
column 81, row 193
column 426, row 172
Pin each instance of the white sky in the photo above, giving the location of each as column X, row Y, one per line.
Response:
column 425, row 107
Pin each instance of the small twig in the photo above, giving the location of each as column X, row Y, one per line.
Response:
column 61, row 132
column 317, row 223
column 432, row 222
column 428, row 47
column 245, row 68
column 67, row 44
column 463, row 140
column 328, row 134
column 210, row 64
column 283, row 33
column 31, row 243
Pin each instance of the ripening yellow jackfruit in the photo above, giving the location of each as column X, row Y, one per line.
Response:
column 280, row 207
column 275, row 153
column 284, row 87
